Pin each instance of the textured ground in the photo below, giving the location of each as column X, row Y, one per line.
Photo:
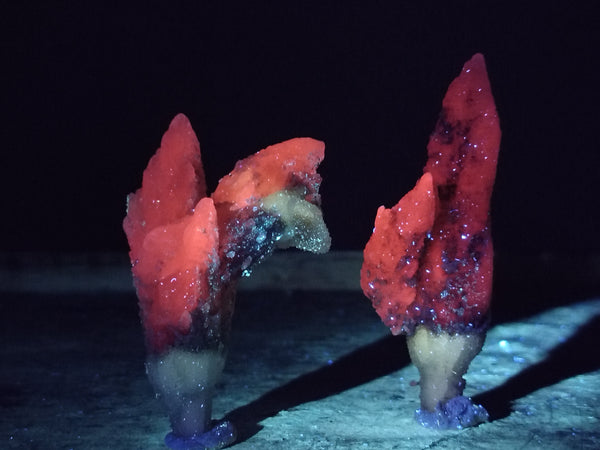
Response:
column 306, row 370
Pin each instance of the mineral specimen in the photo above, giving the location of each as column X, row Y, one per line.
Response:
column 428, row 265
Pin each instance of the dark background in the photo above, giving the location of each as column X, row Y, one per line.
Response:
column 89, row 88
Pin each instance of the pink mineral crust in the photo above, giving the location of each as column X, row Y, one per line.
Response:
column 440, row 273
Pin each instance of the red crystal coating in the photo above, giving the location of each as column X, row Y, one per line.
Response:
column 287, row 165
column 440, row 274
column 388, row 276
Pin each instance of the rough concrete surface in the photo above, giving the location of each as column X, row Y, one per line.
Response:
column 306, row 370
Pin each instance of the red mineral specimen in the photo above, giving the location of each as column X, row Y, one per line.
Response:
column 173, row 236
column 439, row 272
column 187, row 249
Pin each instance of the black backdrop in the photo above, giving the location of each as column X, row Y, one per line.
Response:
column 89, row 88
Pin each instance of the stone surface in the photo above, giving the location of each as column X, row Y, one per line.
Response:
column 306, row 370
